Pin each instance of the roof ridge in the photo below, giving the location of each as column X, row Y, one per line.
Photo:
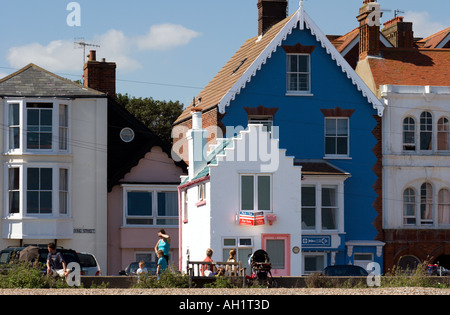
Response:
column 46, row 72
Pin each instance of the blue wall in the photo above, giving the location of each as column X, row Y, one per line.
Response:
column 301, row 124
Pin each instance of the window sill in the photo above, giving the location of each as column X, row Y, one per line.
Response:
column 299, row 94
column 337, row 157
column 201, row 203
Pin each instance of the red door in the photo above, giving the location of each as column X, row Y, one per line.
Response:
column 277, row 247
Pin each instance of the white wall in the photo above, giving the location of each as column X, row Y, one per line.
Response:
column 209, row 224
column 87, row 161
column 403, row 169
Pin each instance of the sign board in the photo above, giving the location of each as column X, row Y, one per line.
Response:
column 316, row 241
column 251, row 218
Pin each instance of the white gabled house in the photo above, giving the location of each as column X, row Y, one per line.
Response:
column 244, row 194
column 54, row 169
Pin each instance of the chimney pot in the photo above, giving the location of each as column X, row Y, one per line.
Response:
column 92, row 55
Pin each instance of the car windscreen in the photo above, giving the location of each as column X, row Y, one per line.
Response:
column 87, row 260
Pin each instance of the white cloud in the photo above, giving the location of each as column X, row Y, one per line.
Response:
column 423, row 24
column 56, row 56
column 61, row 55
column 166, row 37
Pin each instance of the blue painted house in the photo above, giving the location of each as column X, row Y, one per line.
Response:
column 292, row 79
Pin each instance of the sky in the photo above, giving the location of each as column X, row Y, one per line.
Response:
column 167, row 49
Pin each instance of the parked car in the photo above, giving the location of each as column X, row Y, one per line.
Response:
column 9, row 253
column 89, row 265
column 345, row 271
column 131, row 269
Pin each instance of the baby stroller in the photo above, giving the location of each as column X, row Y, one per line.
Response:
column 261, row 269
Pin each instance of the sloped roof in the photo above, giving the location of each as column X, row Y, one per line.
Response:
column 319, row 167
column 34, row 81
column 437, row 40
column 123, row 156
column 411, row 67
column 240, row 69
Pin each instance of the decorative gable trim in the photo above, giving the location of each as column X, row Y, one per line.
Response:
column 337, row 112
column 261, row 111
column 300, row 19
column 298, row 49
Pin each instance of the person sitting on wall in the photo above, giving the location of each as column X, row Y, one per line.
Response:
column 207, row 270
column 56, row 266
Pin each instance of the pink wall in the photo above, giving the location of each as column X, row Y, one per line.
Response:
column 123, row 242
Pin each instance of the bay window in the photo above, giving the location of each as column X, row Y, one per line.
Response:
column 37, row 190
column 37, row 126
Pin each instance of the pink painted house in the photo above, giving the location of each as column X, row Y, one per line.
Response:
column 142, row 181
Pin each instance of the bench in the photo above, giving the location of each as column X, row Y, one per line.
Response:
column 230, row 270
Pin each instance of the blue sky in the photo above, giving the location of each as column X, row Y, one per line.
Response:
column 168, row 49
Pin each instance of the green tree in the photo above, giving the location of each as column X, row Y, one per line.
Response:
column 158, row 116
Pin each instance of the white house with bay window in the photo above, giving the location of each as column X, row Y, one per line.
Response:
column 54, row 166
column 243, row 194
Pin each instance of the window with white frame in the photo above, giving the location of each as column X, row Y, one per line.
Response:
column 426, row 131
column 201, row 192
column 313, row 262
column 337, row 136
column 426, row 204
column 444, row 207
column 320, row 207
column 409, row 134
column 443, row 130
column 37, row 190
column 256, row 192
column 298, row 74
column 37, row 126
column 432, row 211
column 243, row 247
column 362, row 259
column 409, row 207
column 150, row 205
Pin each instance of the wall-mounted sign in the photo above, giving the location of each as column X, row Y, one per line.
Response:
column 316, row 241
column 251, row 218
column 296, row 249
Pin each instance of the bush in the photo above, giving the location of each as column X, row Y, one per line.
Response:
column 169, row 279
column 398, row 277
column 220, row 282
column 23, row 275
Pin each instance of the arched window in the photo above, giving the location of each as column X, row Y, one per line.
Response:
column 409, row 134
column 426, row 131
column 443, row 127
column 409, row 206
column 444, row 207
column 426, row 204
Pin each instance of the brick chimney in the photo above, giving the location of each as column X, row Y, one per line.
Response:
column 100, row 75
column 400, row 34
column 270, row 13
column 369, row 35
